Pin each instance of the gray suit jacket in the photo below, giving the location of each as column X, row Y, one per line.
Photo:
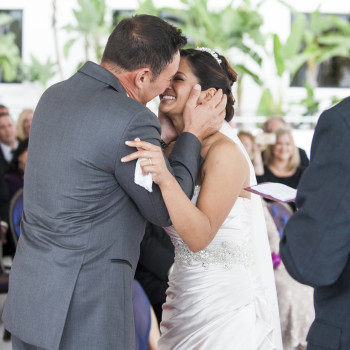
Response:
column 315, row 246
column 84, row 217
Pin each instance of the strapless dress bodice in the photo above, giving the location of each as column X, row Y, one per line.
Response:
column 231, row 245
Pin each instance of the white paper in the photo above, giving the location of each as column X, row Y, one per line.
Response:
column 276, row 190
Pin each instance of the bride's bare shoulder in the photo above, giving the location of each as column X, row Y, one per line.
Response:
column 224, row 145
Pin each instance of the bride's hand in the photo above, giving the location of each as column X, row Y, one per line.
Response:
column 153, row 163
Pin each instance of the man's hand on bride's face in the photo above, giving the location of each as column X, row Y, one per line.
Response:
column 205, row 119
column 152, row 160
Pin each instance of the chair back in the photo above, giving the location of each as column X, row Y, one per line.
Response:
column 15, row 214
column 142, row 316
column 280, row 212
column 4, row 276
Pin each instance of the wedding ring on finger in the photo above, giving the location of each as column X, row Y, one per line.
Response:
column 150, row 161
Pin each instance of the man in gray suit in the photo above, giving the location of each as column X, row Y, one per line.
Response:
column 315, row 246
column 84, row 217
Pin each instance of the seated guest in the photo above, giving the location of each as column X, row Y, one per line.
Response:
column 146, row 325
column 281, row 162
column 248, row 141
column 8, row 140
column 15, row 173
column 4, row 192
column 24, row 122
column 3, row 109
column 275, row 123
column 156, row 259
column 295, row 300
column 14, row 181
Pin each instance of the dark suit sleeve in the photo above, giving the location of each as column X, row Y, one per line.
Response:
column 315, row 245
column 183, row 164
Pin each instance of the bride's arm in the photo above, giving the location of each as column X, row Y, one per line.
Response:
column 224, row 175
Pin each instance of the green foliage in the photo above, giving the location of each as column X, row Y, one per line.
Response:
column 10, row 59
column 90, row 27
column 267, row 105
column 41, row 72
column 325, row 37
column 310, row 42
column 232, row 27
column 310, row 103
column 236, row 26
column 287, row 56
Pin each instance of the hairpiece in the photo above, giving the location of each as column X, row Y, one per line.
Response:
column 210, row 51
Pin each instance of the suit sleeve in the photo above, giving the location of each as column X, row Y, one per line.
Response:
column 183, row 163
column 316, row 240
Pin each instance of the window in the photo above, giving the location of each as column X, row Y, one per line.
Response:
column 333, row 73
column 14, row 27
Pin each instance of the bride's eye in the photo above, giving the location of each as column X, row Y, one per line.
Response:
column 178, row 78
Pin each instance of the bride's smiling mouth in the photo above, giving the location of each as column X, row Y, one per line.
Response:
column 167, row 97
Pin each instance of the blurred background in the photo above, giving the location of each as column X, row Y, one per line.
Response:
column 292, row 56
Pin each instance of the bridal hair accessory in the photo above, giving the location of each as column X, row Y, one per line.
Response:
column 210, row 51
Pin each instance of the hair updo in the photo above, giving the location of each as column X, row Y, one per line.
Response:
column 212, row 74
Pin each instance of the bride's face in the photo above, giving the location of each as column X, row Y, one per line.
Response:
column 174, row 98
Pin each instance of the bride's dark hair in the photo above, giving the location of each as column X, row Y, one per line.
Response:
column 212, row 74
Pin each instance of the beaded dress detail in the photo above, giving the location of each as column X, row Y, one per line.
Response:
column 220, row 252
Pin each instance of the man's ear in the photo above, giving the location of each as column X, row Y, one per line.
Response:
column 142, row 76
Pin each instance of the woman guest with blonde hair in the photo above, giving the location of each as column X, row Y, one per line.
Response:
column 24, row 122
column 281, row 162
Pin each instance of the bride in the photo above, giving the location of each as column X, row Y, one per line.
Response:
column 221, row 292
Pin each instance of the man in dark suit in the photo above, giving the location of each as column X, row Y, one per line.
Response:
column 8, row 143
column 315, row 246
column 8, row 140
column 84, row 217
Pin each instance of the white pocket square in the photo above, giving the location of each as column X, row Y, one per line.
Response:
column 144, row 181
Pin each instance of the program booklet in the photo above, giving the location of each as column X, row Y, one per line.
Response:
column 274, row 191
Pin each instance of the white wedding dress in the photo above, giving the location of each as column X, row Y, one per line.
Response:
column 224, row 296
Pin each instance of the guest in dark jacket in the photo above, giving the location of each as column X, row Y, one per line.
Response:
column 15, row 173
column 14, row 181
column 315, row 246
column 156, row 259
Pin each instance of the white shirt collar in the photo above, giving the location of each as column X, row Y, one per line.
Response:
column 7, row 151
